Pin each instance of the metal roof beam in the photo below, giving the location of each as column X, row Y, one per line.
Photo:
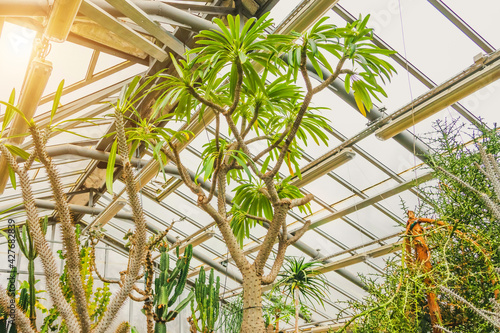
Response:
column 371, row 200
column 103, row 18
column 412, row 69
column 462, row 25
column 136, row 14
column 162, row 9
column 360, row 257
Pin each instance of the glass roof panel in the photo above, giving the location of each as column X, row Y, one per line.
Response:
column 408, row 34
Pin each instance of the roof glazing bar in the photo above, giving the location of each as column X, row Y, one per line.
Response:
column 413, row 70
column 462, row 25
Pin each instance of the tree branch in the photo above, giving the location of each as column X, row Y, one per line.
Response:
column 252, row 121
column 274, row 145
column 299, row 233
column 241, row 143
column 221, row 191
column 174, row 156
column 205, row 101
column 280, row 211
column 303, row 69
column 237, row 89
column 301, row 201
column 278, row 262
column 258, row 138
column 217, row 161
column 331, row 78
column 258, row 218
column 221, row 222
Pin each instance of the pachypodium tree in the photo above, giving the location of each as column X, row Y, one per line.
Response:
column 75, row 313
column 266, row 108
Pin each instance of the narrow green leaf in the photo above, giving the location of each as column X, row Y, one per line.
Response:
column 12, row 176
column 347, row 83
column 9, row 112
column 111, row 167
column 57, row 98
column 359, row 103
column 242, row 56
column 16, row 151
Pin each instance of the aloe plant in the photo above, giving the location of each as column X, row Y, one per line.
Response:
column 205, row 314
column 169, row 282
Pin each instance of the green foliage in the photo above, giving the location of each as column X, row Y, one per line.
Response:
column 250, row 199
column 211, row 157
column 232, row 315
column 351, row 43
column 143, row 130
column 471, row 266
column 396, row 305
column 98, row 298
column 206, row 312
column 464, row 256
column 278, row 307
column 169, row 286
column 223, row 73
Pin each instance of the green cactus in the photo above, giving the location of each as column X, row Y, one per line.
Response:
column 168, row 282
column 27, row 246
column 207, row 303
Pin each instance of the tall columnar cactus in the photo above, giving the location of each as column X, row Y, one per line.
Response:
column 27, row 246
column 207, row 303
column 171, row 281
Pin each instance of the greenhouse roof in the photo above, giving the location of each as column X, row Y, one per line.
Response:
column 357, row 215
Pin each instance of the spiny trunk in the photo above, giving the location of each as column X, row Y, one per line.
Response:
column 296, row 298
column 253, row 322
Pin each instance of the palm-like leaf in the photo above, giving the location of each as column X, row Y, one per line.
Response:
column 250, row 199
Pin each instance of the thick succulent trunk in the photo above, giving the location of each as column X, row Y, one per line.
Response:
column 253, row 322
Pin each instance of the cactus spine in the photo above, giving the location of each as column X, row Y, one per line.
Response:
column 207, row 303
column 168, row 282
